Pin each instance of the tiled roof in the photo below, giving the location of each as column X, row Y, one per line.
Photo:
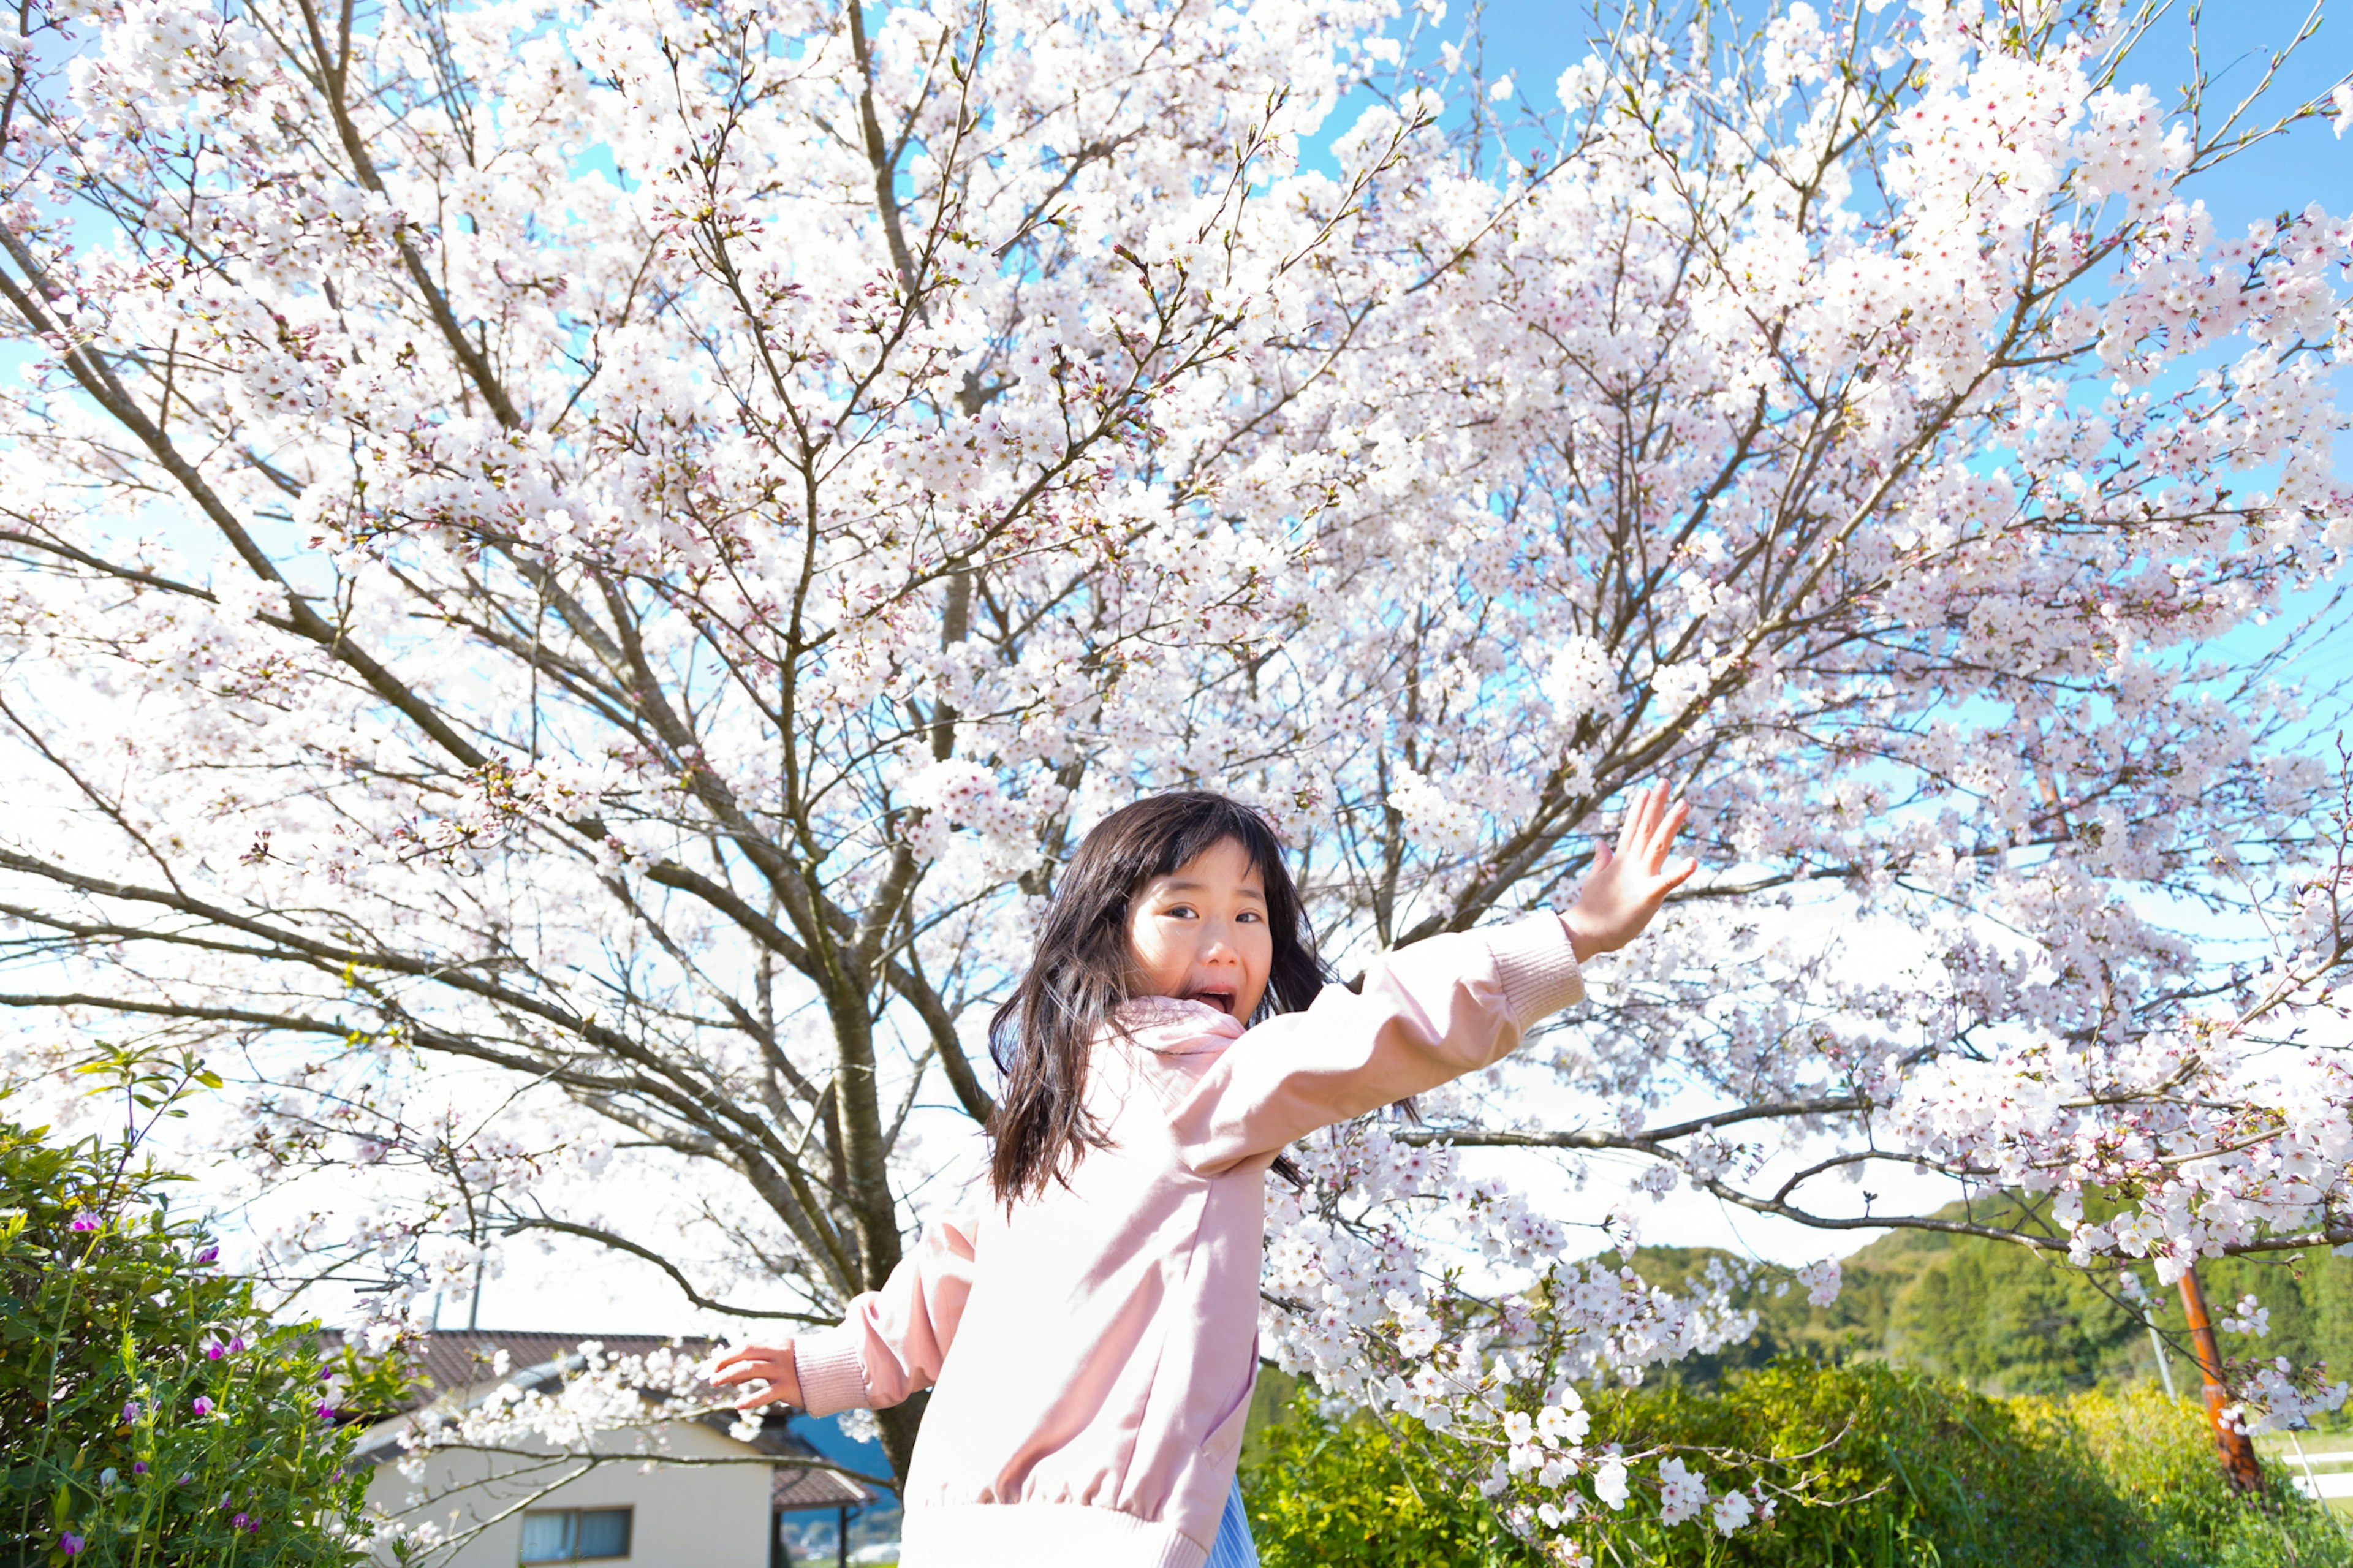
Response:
column 804, row 1486
column 451, row 1360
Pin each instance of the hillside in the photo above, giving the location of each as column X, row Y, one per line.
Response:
column 2002, row 1319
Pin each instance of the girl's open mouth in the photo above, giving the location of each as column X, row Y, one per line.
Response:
column 1219, row 997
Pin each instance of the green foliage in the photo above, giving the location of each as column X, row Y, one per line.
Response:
column 2159, row 1456
column 1875, row 1466
column 1871, row 1468
column 149, row 1414
column 1322, row 1491
column 2006, row 1321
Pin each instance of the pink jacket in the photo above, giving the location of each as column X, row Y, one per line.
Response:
column 1092, row 1352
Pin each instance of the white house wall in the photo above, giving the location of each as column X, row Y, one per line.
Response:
column 685, row 1516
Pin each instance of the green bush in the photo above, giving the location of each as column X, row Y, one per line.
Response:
column 2157, row 1454
column 1904, row 1469
column 148, row 1414
column 1321, row 1491
column 1876, row 1467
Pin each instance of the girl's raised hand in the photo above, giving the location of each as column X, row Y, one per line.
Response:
column 773, row 1363
column 1625, row 888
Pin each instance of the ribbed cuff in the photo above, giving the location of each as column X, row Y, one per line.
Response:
column 832, row 1378
column 1537, row 967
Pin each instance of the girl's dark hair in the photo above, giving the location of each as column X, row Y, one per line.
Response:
column 1085, row 968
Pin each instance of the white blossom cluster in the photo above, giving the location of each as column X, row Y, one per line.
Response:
column 1367, row 1294
column 568, row 1408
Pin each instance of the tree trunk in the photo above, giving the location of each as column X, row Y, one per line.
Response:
column 2236, row 1448
column 899, row 1426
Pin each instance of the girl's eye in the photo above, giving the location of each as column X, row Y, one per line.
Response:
column 1249, row 915
column 1179, row 912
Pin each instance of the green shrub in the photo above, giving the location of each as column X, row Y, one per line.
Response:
column 1321, row 1491
column 1876, row 1467
column 148, row 1414
column 1903, row 1469
column 2159, row 1456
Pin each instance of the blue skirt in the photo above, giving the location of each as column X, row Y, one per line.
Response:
column 1233, row 1548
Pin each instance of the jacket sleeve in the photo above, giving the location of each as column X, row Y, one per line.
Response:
column 892, row 1341
column 1427, row 1013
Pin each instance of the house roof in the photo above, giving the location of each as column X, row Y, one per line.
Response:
column 804, row 1485
column 455, row 1359
column 449, row 1361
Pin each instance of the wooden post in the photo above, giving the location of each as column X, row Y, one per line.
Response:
column 2236, row 1448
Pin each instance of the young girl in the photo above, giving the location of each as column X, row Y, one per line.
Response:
column 1089, row 1332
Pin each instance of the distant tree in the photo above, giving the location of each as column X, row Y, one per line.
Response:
column 2010, row 1323
column 2006, row 1319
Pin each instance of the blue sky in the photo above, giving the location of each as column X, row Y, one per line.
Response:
column 1538, row 39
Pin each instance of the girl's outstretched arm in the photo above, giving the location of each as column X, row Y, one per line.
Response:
column 889, row 1345
column 1429, row 1013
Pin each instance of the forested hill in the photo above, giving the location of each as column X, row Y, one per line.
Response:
column 2006, row 1321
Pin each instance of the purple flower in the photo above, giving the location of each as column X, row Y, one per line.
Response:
column 138, row 1467
column 214, row 1349
column 186, row 1478
column 85, row 1220
column 237, row 1344
column 201, row 1404
column 326, row 1412
column 205, row 1254
column 69, row 1543
column 242, row 1521
column 131, row 1411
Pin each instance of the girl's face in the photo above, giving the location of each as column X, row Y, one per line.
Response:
column 1201, row 933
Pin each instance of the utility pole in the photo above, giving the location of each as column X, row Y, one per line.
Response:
column 2236, row 1448
column 2157, row 1348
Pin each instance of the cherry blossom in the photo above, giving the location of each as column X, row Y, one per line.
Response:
column 575, row 572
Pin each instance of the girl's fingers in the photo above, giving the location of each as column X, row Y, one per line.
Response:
column 1664, row 838
column 748, row 1371
column 1646, row 847
column 1648, row 830
column 1638, row 822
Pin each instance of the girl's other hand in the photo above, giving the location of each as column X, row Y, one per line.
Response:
column 1625, row 888
column 773, row 1363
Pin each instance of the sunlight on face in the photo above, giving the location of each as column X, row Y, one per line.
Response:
column 1201, row 931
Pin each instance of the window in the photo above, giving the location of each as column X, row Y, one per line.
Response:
column 576, row 1534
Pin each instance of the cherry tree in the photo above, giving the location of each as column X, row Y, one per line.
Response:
column 574, row 570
